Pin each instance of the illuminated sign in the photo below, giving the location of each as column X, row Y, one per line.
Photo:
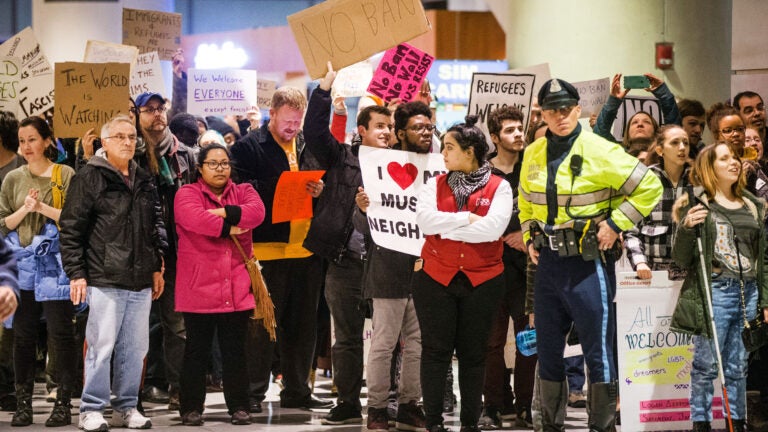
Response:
column 210, row 56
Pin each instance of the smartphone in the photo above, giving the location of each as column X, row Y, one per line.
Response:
column 636, row 82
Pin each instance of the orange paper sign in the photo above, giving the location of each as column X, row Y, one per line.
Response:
column 292, row 201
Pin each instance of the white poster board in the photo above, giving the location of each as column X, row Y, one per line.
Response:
column 107, row 52
column 491, row 91
column 35, row 95
column 221, row 91
column 353, row 80
column 654, row 362
column 592, row 95
column 10, row 83
column 392, row 180
column 147, row 75
column 541, row 71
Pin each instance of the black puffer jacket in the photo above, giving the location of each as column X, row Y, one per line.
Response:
column 112, row 235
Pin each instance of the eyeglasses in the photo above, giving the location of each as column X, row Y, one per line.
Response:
column 565, row 111
column 153, row 111
column 123, row 138
column 213, row 165
column 422, row 127
column 730, row 131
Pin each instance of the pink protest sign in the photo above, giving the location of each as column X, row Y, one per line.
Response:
column 400, row 73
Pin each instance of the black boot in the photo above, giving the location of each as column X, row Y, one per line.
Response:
column 23, row 414
column 61, row 415
column 602, row 404
column 701, row 426
column 552, row 399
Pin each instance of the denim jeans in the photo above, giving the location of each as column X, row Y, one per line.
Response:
column 729, row 320
column 118, row 321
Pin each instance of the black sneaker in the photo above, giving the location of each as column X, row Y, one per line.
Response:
column 343, row 413
column 524, row 418
column 61, row 415
column 378, row 419
column 410, row 417
column 490, row 419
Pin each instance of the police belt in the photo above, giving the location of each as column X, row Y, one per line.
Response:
column 573, row 238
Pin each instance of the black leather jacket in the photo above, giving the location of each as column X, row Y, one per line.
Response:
column 112, row 235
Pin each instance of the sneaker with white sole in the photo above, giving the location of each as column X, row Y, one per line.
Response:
column 132, row 419
column 92, row 421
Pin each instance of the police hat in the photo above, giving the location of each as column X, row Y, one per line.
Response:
column 144, row 98
column 557, row 93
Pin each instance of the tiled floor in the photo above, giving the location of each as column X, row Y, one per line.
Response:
column 273, row 418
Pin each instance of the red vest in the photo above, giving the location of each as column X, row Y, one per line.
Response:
column 444, row 258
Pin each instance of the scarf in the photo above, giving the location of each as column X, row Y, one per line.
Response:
column 462, row 184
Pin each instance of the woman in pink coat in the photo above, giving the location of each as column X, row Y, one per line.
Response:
column 213, row 289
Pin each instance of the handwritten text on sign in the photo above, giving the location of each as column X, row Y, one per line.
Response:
column 348, row 31
column 146, row 75
column 89, row 94
column 392, row 180
column 35, row 94
column 491, row 91
column 150, row 30
column 10, row 83
column 400, row 73
column 292, row 201
column 221, row 92
column 631, row 106
column 592, row 95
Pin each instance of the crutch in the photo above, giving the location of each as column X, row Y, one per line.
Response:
column 710, row 311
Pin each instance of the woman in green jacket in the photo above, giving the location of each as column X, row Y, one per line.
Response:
column 730, row 220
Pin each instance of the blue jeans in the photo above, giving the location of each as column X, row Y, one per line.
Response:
column 118, row 321
column 729, row 321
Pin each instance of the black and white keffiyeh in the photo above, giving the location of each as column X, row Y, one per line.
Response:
column 463, row 184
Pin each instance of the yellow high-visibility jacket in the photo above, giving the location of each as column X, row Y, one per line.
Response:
column 610, row 178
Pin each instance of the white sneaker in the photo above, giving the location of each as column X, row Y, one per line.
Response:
column 132, row 419
column 92, row 421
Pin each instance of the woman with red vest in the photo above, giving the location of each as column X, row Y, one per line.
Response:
column 462, row 214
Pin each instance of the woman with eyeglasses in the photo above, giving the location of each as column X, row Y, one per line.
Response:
column 730, row 224
column 29, row 204
column 213, row 287
column 463, row 214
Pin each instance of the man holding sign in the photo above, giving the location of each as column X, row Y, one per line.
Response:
column 292, row 273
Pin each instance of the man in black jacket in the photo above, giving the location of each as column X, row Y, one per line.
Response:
column 112, row 245
column 293, row 274
column 333, row 237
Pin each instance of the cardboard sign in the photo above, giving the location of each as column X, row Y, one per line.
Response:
column 35, row 95
column 491, row 91
column 292, row 201
column 353, row 80
column 10, row 83
column 345, row 32
column 654, row 362
column 631, row 106
column 592, row 95
column 392, row 180
column 89, row 94
column 150, row 30
column 542, row 75
column 265, row 91
column 400, row 73
column 105, row 52
column 220, row 92
column 146, row 75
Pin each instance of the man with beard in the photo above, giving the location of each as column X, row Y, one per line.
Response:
column 751, row 107
column 387, row 281
column 507, row 131
column 172, row 164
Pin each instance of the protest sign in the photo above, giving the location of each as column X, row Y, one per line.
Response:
column 89, row 94
column 35, row 94
column 345, row 32
column 292, row 201
column 106, row 52
column 220, row 92
column 146, row 75
column 631, row 106
column 400, row 73
column 10, row 83
column 540, row 70
column 491, row 91
column 265, row 91
column 654, row 362
column 353, row 80
column 392, row 180
column 150, row 30
column 592, row 95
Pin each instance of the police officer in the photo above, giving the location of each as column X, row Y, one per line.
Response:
column 578, row 191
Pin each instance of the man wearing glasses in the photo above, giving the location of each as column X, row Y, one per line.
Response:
column 172, row 164
column 578, row 191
